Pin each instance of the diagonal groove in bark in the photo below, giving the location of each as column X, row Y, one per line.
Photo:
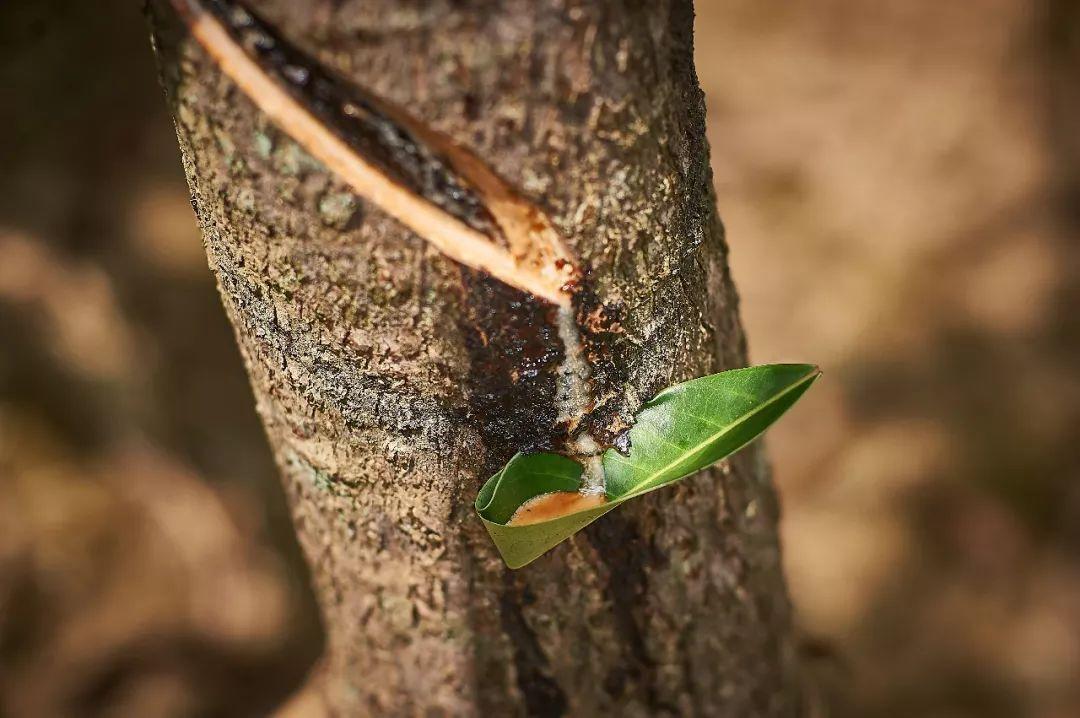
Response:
column 535, row 259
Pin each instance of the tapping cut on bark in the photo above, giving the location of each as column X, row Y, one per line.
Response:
column 440, row 190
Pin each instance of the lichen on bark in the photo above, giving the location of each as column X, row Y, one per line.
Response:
column 390, row 383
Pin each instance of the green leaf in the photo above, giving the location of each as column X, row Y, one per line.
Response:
column 695, row 424
column 683, row 429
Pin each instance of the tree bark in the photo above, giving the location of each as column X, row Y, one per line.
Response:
column 392, row 382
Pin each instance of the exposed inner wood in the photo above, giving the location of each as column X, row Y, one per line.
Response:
column 536, row 262
column 533, row 241
column 551, row 506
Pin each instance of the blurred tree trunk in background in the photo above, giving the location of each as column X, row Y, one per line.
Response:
column 382, row 371
column 1062, row 25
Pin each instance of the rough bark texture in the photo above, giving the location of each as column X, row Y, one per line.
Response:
column 383, row 372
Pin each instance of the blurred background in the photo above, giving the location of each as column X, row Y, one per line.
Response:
column 900, row 182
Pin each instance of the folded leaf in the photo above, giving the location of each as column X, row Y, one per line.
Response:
column 683, row 429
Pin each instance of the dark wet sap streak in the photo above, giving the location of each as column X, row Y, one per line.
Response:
column 515, row 352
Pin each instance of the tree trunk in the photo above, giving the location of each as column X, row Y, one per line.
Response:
column 392, row 381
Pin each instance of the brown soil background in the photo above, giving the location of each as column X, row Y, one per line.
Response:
column 900, row 183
